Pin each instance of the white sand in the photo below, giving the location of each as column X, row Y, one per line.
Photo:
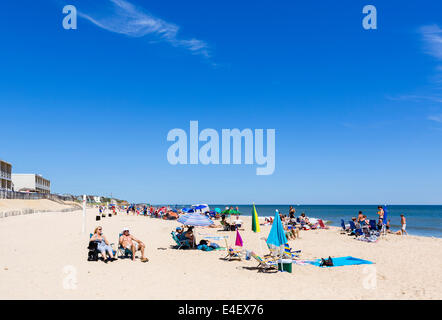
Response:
column 41, row 204
column 37, row 248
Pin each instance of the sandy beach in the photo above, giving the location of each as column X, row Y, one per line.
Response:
column 44, row 256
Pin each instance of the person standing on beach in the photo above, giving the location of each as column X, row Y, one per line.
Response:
column 380, row 213
column 403, row 226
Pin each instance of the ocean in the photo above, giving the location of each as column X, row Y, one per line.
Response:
column 422, row 220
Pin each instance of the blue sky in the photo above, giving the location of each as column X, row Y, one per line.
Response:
column 357, row 113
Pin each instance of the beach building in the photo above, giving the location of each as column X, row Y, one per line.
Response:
column 31, row 182
column 5, row 175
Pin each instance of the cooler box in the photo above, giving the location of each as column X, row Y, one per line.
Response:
column 285, row 265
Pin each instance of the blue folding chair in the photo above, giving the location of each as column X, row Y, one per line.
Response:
column 352, row 225
column 181, row 244
column 343, row 225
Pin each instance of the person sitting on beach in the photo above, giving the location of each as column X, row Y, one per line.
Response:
column 180, row 234
column 403, row 226
column 102, row 244
column 304, row 219
column 288, row 233
column 365, row 223
column 387, row 226
column 293, row 231
column 224, row 223
column 356, row 222
column 188, row 234
column 128, row 241
column 238, row 222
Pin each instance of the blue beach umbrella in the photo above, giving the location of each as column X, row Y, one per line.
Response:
column 385, row 215
column 195, row 219
column 277, row 234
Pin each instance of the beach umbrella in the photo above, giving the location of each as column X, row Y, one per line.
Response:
column 217, row 210
column 255, row 222
column 277, row 235
column 195, row 219
column 384, row 221
column 238, row 241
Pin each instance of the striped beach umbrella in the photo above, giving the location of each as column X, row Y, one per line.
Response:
column 195, row 219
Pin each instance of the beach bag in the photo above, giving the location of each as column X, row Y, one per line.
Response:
column 326, row 262
column 93, row 251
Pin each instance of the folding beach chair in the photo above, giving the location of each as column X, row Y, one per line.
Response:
column 289, row 253
column 181, row 244
column 124, row 252
column 373, row 225
column 265, row 265
column 114, row 252
column 344, row 228
column 232, row 253
column 321, row 224
column 352, row 225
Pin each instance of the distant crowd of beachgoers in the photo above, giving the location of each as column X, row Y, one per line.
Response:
column 360, row 227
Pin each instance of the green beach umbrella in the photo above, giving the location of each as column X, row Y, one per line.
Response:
column 255, row 222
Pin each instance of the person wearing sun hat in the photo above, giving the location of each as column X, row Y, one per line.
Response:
column 128, row 241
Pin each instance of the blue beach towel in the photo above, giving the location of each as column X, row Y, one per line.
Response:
column 341, row 261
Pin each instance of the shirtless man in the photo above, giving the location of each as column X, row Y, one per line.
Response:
column 403, row 226
column 128, row 241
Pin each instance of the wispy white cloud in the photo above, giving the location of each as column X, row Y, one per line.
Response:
column 414, row 97
column 432, row 36
column 121, row 16
column 436, row 118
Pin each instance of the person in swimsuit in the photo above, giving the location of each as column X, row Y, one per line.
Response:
column 403, row 226
column 103, row 245
column 380, row 213
column 128, row 241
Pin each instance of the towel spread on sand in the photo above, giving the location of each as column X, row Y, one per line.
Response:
column 337, row 262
